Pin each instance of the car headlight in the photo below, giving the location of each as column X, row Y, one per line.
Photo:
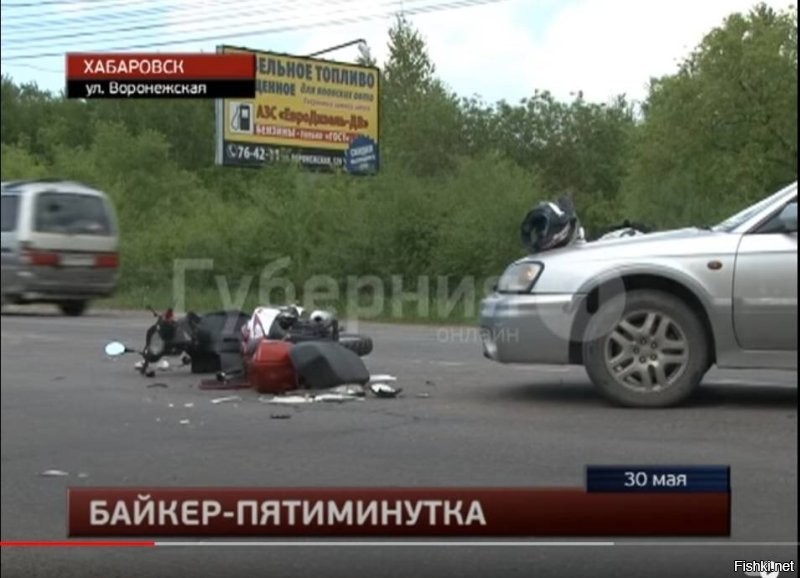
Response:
column 519, row 278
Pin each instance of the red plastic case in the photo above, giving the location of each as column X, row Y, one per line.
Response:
column 270, row 369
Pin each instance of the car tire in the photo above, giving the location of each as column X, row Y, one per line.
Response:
column 645, row 348
column 73, row 308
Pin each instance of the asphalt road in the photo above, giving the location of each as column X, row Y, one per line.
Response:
column 65, row 406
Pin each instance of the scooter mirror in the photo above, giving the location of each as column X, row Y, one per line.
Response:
column 115, row 348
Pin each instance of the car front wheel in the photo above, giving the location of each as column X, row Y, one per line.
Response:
column 646, row 348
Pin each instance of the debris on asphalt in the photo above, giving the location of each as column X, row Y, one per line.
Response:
column 171, row 405
column 382, row 378
column 184, row 422
column 54, row 474
column 286, row 399
column 423, row 395
column 158, row 420
column 336, row 397
column 138, row 365
column 355, row 390
column 157, row 384
column 280, row 416
column 384, row 390
column 190, row 404
column 83, row 475
column 163, row 365
column 429, row 382
column 227, row 399
column 233, row 384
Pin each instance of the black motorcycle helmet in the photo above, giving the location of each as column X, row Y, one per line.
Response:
column 549, row 225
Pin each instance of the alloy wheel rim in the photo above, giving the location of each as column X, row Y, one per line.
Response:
column 647, row 351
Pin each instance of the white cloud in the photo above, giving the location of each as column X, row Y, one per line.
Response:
column 601, row 47
column 509, row 49
column 607, row 47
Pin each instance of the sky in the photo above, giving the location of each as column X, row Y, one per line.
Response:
column 493, row 49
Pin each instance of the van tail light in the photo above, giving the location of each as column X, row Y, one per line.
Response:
column 42, row 258
column 107, row 260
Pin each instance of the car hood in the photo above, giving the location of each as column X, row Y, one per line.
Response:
column 679, row 242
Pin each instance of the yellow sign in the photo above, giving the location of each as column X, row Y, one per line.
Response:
column 317, row 112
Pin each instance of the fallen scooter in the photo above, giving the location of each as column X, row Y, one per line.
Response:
column 200, row 341
column 286, row 348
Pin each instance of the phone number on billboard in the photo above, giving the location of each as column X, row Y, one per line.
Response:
column 249, row 152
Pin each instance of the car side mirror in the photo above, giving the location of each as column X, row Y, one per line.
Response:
column 788, row 218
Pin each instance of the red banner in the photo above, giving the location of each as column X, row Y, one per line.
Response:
column 160, row 66
column 379, row 512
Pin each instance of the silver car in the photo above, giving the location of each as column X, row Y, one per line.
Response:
column 647, row 316
column 59, row 244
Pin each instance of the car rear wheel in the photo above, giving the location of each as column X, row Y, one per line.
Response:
column 73, row 308
column 648, row 350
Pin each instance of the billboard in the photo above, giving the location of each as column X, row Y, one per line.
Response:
column 319, row 113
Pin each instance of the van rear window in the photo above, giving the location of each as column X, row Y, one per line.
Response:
column 71, row 213
column 8, row 210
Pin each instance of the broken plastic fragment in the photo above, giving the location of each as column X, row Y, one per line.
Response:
column 336, row 397
column 381, row 377
column 228, row 399
column 384, row 390
column 184, row 422
column 286, row 399
column 356, row 390
column 190, row 404
column 54, row 474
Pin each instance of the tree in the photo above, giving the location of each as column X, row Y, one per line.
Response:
column 26, row 111
column 421, row 119
column 578, row 148
column 722, row 131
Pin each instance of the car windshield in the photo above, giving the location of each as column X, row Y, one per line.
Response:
column 744, row 215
